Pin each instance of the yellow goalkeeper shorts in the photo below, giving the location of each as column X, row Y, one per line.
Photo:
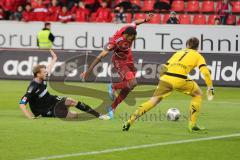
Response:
column 169, row 83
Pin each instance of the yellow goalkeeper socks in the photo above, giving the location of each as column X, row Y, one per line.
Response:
column 194, row 109
column 143, row 108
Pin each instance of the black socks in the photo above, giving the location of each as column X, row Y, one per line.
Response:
column 84, row 107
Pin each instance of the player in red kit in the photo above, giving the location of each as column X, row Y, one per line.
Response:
column 122, row 59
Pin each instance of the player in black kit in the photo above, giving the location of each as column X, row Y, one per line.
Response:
column 46, row 105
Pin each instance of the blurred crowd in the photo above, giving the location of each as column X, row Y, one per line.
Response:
column 119, row 11
column 55, row 10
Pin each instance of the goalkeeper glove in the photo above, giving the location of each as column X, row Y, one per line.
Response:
column 210, row 93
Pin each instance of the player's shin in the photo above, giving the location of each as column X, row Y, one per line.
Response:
column 122, row 95
column 84, row 107
column 145, row 107
column 194, row 110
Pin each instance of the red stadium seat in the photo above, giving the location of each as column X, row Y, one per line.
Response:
column 166, row 1
column 118, row 1
column 87, row 2
column 178, row 6
column 236, row 7
column 136, row 2
column 238, row 22
column 211, row 19
column 140, row 16
column 22, row 2
column 208, row 6
column 165, row 18
column 231, row 19
column 218, row 5
column 156, row 19
column 199, row 19
column 148, row 5
column 128, row 17
column 193, row 6
column 185, row 19
column 113, row 16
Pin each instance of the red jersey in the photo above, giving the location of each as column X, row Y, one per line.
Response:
column 120, row 46
column 9, row 5
column 34, row 3
column 46, row 2
column 103, row 15
column 82, row 15
column 20, row 2
column 54, row 12
column 40, row 13
column 222, row 8
column 74, row 9
column 65, row 17
column 28, row 16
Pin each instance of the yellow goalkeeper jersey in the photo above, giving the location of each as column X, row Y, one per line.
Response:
column 183, row 61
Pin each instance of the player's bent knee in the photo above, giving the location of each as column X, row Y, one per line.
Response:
column 132, row 84
column 70, row 102
column 155, row 100
column 198, row 93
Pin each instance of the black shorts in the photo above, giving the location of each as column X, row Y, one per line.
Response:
column 57, row 109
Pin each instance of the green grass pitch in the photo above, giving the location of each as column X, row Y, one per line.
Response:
column 21, row 138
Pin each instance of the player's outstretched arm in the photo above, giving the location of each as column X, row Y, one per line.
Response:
column 54, row 59
column 86, row 74
column 141, row 21
column 207, row 77
column 26, row 112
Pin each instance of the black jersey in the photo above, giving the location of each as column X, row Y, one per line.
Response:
column 40, row 101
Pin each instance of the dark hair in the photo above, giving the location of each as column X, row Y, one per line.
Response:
column 47, row 24
column 130, row 31
column 193, row 43
column 37, row 69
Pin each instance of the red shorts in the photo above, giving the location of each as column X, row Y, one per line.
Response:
column 126, row 70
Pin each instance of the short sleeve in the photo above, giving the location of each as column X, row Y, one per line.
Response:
column 111, row 45
column 30, row 91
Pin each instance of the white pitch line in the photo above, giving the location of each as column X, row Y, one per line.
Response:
column 135, row 147
column 222, row 102
column 211, row 102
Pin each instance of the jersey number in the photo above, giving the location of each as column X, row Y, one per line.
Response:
column 186, row 52
column 59, row 98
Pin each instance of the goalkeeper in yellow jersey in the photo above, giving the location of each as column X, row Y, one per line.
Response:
column 174, row 77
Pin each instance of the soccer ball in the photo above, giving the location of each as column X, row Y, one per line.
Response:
column 173, row 114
